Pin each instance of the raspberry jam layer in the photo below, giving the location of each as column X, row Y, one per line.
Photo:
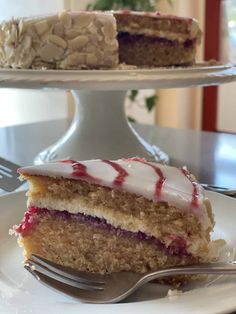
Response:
column 178, row 247
column 29, row 220
column 188, row 43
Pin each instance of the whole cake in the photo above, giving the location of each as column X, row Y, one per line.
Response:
column 108, row 216
column 89, row 40
column 154, row 39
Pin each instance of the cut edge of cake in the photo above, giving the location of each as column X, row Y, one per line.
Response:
column 169, row 40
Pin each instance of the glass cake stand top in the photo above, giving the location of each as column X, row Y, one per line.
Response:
column 100, row 128
column 201, row 74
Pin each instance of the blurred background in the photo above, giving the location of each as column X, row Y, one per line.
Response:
column 211, row 109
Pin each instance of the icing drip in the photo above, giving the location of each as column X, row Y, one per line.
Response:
column 122, row 173
column 80, row 170
column 195, row 195
column 160, row 181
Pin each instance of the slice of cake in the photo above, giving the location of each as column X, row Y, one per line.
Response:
column 68, row 40
column 108, row 216
column 154, row 39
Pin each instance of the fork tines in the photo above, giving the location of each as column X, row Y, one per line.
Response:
column 8, row 175
column 36, row 264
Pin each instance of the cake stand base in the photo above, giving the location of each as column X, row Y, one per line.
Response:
column 100, row 130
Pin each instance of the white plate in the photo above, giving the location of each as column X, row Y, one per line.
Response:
column 201, row 74
column 21, row 293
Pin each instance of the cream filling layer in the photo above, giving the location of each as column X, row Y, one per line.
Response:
column 180, row 37
column 195, row 244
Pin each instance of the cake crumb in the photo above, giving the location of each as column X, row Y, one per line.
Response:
column 213, row 62
column 12, row 231
column 174, row 293
column 124, row 66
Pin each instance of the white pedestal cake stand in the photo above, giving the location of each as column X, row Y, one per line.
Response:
column 99, row 128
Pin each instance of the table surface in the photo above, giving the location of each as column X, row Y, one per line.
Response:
column 210, row 156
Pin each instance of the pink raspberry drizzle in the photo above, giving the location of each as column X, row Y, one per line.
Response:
column 28, row 221
column 80, row 170
column 122, row 173
column 195, row 194
column 160, row 181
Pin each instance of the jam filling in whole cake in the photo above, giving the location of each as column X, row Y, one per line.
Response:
column 167, row 42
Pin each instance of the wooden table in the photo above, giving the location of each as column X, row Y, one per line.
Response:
column 210, row 156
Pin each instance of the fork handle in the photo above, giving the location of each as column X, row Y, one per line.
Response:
column 200, row 269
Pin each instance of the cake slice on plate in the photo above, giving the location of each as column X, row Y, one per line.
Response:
column 108, row 216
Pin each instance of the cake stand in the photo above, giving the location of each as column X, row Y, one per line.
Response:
column 100, row 128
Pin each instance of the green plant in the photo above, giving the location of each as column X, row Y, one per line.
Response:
column 136, row 5
column 150, row 101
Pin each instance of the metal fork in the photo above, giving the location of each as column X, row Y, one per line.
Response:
column 8, row 175
column 110, row 288
column 219, row 189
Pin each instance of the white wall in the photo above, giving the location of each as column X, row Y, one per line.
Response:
column 182, row 107
column 27, row 106
column 77, row 4
column 14, row 8
column 24, row 106
column 226, row 111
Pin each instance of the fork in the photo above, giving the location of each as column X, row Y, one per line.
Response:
column 110, row 288
column 8, row 175
column 219, row 189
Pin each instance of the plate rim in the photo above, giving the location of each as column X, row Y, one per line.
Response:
column 231, row 307
column 200, row 74
column 201, row 66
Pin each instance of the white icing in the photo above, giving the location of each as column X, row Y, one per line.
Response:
column 142, row 173
column 98, row 169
